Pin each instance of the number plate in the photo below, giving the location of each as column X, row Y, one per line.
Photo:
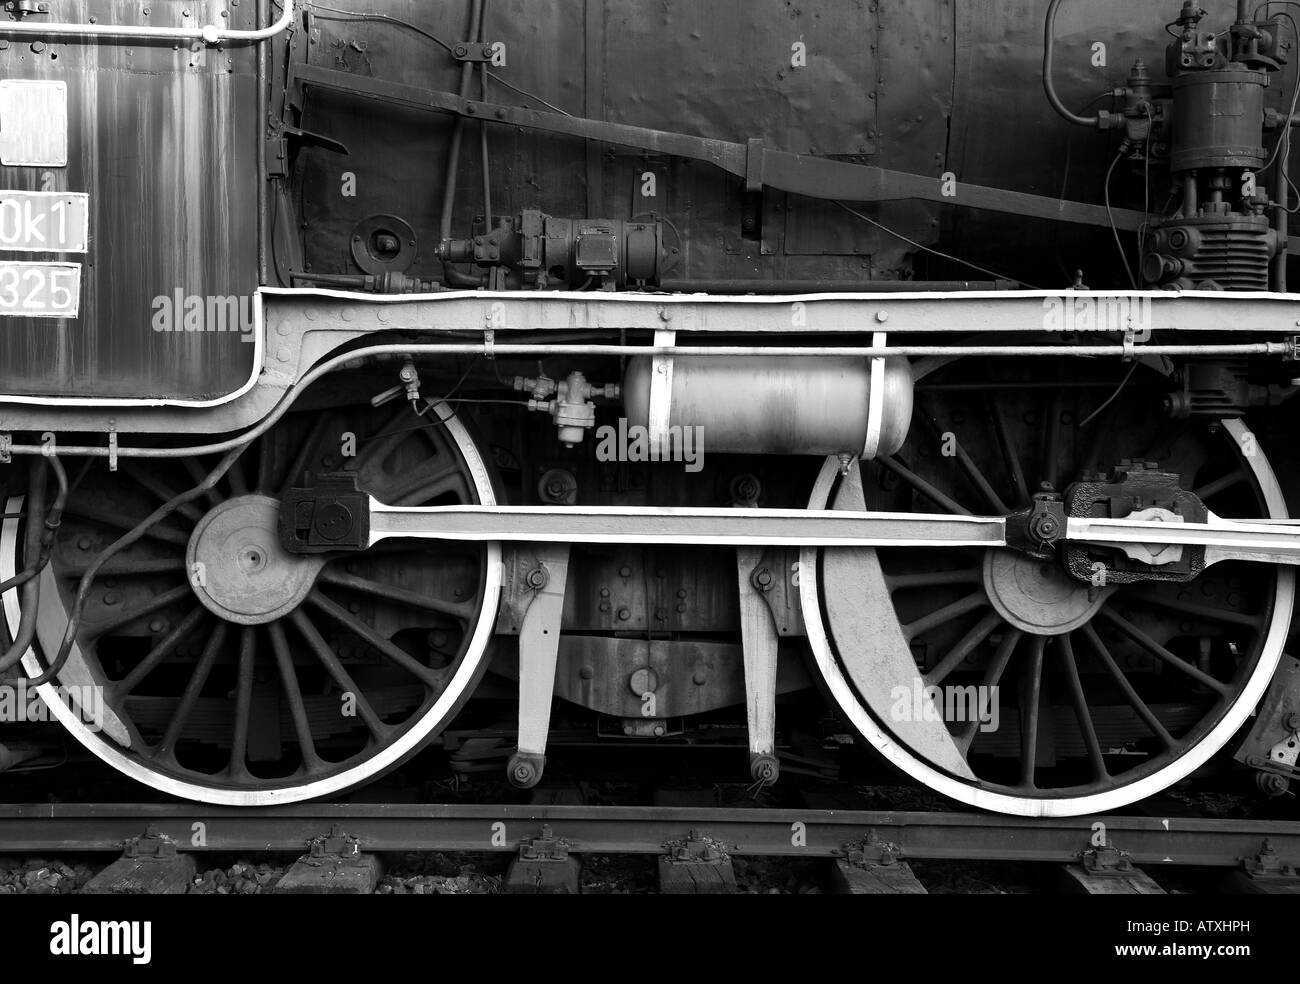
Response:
column 44, row 221
column 39, row 290
column 33, row 123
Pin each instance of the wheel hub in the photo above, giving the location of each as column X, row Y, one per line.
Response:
column 238, row 568
column 1037, row 596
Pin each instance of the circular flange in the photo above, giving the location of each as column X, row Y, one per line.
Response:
column 1038, row 596
column 384, row 244
column 238, row 568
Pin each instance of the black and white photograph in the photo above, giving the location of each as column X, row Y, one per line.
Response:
column 649, row 448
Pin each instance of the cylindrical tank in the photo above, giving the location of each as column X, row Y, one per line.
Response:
column 774, row 405
column 1218, row 119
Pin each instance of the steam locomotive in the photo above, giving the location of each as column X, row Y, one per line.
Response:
column 730, row 375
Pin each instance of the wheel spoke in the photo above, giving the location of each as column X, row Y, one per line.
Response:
column 163, row 534
column 924, row 487
column 1010, row 454
column 1130, row 694
column 1163, row 654
column 325, row 654
column 293, row 695
column 972, row 470
column 265, row 462
column 1081, row 712
column 992, row 675
column 163, row 492
column 167, row 748
column 1203, row 612
column 243, row 702
column 126, row 567
column 199, row 475
column 1031, row 695
column 463, row 611
column 981, row 631
column 156, row 603
column 235, row 477
column 1213, row 488
column 380, row 446
column 972, row 601
column 305, row 451
column 386, row 648
column 165, row 647
column 437, row 475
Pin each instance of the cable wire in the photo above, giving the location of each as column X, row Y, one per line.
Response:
column 1123, row 149
column 358, row 15
column 930, row 249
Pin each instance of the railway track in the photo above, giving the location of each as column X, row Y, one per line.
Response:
column 164, row 845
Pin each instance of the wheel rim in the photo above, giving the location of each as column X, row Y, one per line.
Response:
column 348, row 666
column 996, row 636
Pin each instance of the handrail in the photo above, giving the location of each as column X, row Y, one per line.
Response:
column 209, row 33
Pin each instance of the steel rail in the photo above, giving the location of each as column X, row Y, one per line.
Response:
column 55, row 827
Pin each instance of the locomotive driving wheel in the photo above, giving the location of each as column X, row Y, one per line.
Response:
column 997, row 678
column 233, row 672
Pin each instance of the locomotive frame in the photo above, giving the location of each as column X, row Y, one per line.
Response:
column 383, row 319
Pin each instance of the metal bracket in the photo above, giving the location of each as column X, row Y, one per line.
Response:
column 875, row 399
column 524, row 575
column 29, row 8
column 696, row 846
column 330, row 515
column 472, row 51
column 539, row 648
column 872, row 851
column 150, row 845
column 1130, row 345
column 759, row 642
column 337, row 843
column 1106, row 860
column 1268, row 864
column 112, row 447
column 777, row 579
column 545, row 847
column 6, row 448
column 661, row 389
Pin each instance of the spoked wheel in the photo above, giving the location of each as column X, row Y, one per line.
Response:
column 233, row 672
column 1000, row 680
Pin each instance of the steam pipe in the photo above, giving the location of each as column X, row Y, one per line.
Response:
column 209, row 33
column 1280, row 224
column 450, row 274
column 1049, row 29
